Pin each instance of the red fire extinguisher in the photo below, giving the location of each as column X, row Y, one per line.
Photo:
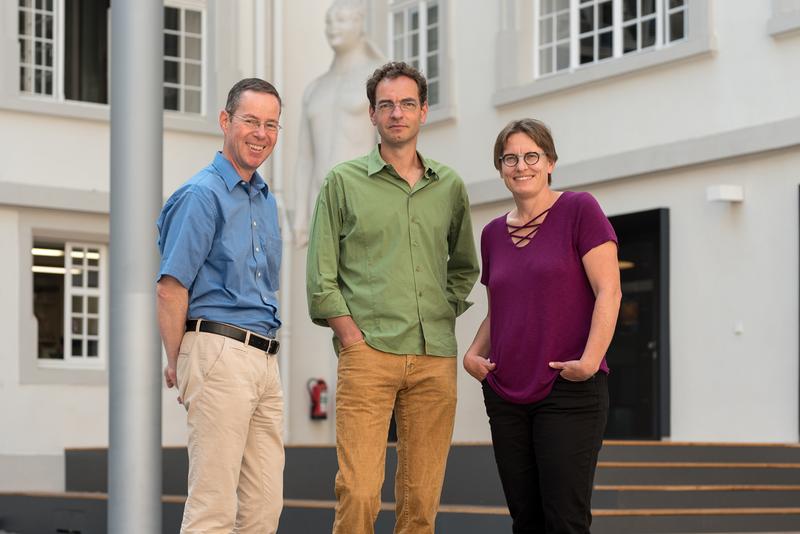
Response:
column 318, row 391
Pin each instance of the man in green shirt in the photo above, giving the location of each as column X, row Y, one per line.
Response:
column 391, row 260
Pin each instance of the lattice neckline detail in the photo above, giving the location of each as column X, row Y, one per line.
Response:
column 522, row 235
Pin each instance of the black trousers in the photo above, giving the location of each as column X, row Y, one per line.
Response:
column 546, row 454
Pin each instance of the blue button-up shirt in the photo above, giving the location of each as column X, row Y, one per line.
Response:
column 219, row 237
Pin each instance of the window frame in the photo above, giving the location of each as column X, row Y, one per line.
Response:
column 71, row 361
column 516, row 79
column 57, row 43
column 443, row 108
column 661, row 15
column 181, row 59
column 56, row 224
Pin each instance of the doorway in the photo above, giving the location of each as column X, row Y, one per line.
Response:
column 639, row 353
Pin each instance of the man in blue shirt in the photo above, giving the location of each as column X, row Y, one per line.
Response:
column 220, row 249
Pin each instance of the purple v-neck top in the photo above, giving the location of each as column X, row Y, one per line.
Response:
column 541, row 302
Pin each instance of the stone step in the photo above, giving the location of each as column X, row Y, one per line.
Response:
column 86, row 513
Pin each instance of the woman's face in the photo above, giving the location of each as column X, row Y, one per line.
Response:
column 343, row 27
column 525, row 180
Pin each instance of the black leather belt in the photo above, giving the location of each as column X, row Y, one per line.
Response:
column 268, row 345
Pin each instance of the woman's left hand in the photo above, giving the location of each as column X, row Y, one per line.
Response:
column 575, row 370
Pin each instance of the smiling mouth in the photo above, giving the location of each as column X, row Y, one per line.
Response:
column 256, row 148
column 523, row 178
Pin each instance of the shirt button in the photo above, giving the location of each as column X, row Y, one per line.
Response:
column 414, row 243
column 258, row 274
column 419, row 269
column 254, row 223
column 257, row 250
column 420, row 293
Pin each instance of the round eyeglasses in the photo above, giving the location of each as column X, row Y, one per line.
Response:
column 511, row 160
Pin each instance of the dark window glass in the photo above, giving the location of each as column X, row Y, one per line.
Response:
column 171, row 45
column 629, row 9
column 587, row 50
column 171, row 72
column 606, row 45
column 172, row 18
column 587, row 19
column 48, row 301
column 86, row 50
column 605, row 14
column 648, row 33
column 629, row 38
column 648, row 7
column 676, row 27
column 171, row 98
column 433, row 14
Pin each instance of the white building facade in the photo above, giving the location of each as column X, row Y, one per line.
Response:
column 655, row 106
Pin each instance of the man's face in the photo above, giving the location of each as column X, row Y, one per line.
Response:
column 398, row 114
column 246, row 145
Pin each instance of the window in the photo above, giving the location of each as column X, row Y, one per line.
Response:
column 415, row 36
column 64, row 45
column 183, row 59
column 573, row 33
column 36, row 46
column 68, row 302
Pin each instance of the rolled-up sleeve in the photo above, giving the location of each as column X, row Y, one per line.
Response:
column 325, row 298
column 462, row 264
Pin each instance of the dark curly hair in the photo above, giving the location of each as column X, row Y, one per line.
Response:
column 392, row 70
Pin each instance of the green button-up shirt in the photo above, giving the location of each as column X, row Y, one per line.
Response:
column 400, row 260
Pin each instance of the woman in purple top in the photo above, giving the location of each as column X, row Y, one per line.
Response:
column 552, row 278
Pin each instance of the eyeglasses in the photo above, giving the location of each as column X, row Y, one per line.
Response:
column 406, row 106
column 255, row 124
column 511, row 160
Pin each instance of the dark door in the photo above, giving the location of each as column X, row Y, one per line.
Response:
column 639, row 354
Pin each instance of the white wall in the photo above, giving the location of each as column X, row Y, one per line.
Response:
column 729, row 263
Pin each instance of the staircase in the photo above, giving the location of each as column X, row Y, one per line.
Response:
column 640, row 487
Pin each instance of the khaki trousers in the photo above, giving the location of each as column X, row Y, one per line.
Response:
column 422, row 390
column 234, row 402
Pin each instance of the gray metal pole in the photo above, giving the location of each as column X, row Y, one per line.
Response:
column 134, row 470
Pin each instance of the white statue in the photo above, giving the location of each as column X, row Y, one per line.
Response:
column 335, row 124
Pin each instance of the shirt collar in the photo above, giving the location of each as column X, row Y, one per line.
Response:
column 375, row 164
column 231, row 177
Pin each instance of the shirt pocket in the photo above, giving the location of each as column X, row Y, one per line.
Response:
column 272, row 250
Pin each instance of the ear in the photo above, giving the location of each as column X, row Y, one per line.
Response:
column 423, row 113
column 224, row 120
column 372, row 117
